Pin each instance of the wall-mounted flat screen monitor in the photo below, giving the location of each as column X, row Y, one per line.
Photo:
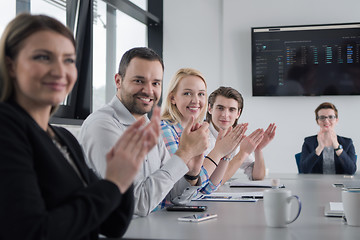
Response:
column 310, row 60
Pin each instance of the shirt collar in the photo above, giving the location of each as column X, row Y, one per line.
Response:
column 123, row 114
column 212, row 129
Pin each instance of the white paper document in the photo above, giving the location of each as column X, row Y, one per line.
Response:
column 230, row 197
column 334, row 209
column 336, row 206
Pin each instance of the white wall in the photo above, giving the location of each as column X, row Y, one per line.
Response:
column 213, row 36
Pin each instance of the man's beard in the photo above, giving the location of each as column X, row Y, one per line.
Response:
column 132, row 105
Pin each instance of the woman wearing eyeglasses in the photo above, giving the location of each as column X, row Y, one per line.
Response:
column 327, row 152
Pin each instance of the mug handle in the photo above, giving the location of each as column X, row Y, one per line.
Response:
column 299, row 209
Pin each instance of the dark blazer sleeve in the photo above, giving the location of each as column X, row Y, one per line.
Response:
column 118, row 221
column 116, row 224
column 42, row 197
column 309, row 162
column 344, row 164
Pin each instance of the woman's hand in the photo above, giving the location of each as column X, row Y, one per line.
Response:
column 333, row 137
column 193, row 142
column 327, row 138
column 321, row 138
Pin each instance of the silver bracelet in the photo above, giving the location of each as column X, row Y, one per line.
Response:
column 226, row 159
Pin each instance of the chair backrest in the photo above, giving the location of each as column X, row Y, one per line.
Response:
column 297, row 158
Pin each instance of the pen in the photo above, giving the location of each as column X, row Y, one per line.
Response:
column 218, row 197
column 252, row 197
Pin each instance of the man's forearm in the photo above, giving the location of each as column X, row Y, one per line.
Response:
column 259, row 166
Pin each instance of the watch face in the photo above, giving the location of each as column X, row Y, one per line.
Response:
column 339, row 147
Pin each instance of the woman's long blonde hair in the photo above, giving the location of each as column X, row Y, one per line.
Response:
column 169, row 111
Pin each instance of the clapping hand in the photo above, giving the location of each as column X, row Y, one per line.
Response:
column 250, row 143
column 268, row 136
column 327, row 138
column 194, row 141
column 228, row 140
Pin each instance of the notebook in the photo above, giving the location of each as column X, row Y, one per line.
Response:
column 334, row 209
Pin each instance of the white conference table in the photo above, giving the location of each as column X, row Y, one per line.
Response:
column 245, row 220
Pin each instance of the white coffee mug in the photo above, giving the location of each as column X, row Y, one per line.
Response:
column 351, row 204
column 277, row 206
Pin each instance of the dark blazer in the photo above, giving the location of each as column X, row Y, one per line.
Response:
column 311, row 163
column 42, row 197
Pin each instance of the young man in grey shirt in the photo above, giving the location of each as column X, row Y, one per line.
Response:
column 162, row 179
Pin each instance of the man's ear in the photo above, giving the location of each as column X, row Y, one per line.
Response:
column 239, row 113
column 118, row 80
column 210, row 109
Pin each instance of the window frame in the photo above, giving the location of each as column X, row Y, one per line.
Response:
column 80, row 99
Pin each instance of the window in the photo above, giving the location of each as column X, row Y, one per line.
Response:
column 140, row 3
column 126, row 33
column 7, row 14
column 99, row 55
column 138, row 38
column 54, row 8
column 118, row 26
column 104, row 30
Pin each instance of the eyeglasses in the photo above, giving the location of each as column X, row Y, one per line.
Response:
column 323, row 118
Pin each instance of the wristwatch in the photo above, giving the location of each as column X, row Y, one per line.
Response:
column 191, row 178
column 338, row 148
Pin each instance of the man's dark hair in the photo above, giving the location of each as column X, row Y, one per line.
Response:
column 139, row 52
column 227, row 92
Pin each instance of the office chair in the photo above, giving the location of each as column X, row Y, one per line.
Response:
column 297, row 158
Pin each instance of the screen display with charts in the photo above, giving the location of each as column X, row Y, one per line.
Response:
column 307, row 60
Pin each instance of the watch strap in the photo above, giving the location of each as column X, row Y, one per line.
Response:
column 191, row 178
